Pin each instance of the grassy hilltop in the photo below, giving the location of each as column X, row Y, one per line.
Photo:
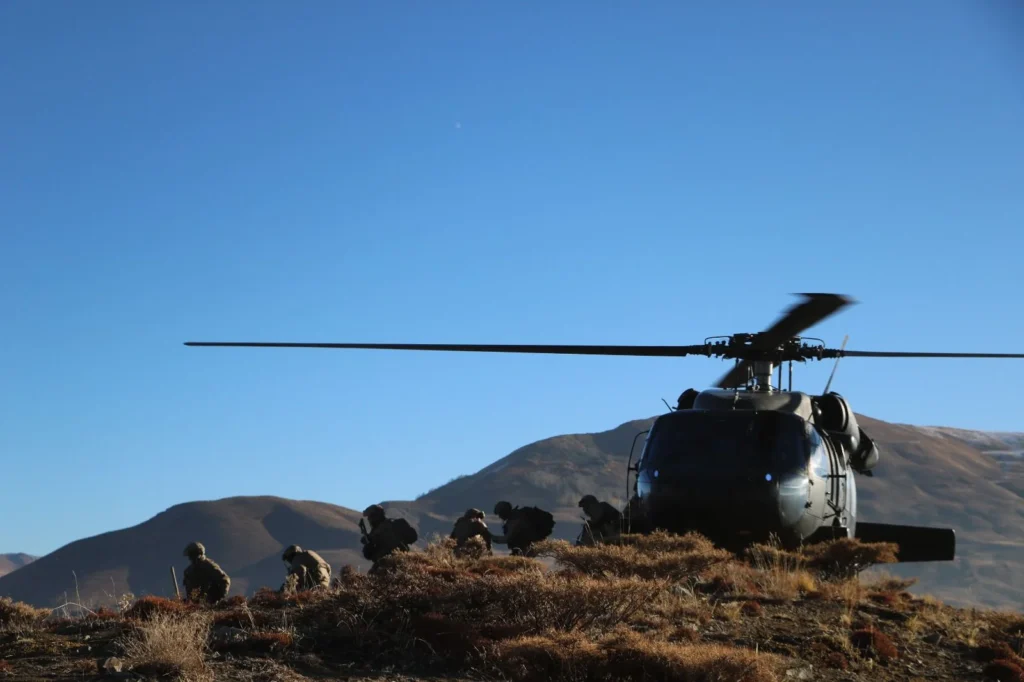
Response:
column 660, row 607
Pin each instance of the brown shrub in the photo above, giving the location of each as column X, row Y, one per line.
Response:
column 146, row 608
column 270, row 641
column 992, row 650
column 717, row 585
column 268, row 599
column 505, row 565
column 6, row 668
column 450, row 637
column 891, row 584
column 845, row 558
column 659, row 556
column 873, row 642
column 835, row 560
column 627, row 655
column 437, row 614
column 1004, row 671
column 684, row 634
column 17, row 615
column 884, row 598
column 751, row 608
column 236, row 600
column 103, row 613
column 170, row 644
column 837, row 660
column 240, row 618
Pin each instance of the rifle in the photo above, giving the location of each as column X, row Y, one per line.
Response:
column 362, row 527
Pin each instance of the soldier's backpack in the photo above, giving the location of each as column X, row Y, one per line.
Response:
column 406, row 533
column 541, row 521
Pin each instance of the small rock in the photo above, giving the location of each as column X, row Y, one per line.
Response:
column 933, row 638
column 800, row 674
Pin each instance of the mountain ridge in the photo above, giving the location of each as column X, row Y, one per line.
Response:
column 13, row 561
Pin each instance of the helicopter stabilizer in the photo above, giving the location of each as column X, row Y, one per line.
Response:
column 917, row 543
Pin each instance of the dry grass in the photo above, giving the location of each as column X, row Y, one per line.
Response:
column 16, row 615
column 170, row 644
column 627, row 655
column 148, row 608
column 651, row 607
column 657, row 556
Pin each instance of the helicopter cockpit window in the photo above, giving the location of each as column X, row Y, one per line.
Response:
column 698, row 443
column 819, row 457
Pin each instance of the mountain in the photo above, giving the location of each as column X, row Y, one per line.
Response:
column 12, row 562
column 927, row 475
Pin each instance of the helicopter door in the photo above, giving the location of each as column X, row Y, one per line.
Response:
column 826, row 463
column 837, row 479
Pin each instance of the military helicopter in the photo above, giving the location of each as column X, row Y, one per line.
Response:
column 745, row 460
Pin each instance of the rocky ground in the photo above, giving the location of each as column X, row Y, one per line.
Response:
column 656, row 608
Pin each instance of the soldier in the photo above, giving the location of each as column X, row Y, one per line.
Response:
column 605, row 521
column 307, row 570
column 203, row 578
column 522, row 526
column 386, row 535
column 470, row 525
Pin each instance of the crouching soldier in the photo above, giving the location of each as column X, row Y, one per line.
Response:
column 385, row 535
column 472, row 536
column 604, row 522
column 307, row 570
column 203, row 579
column 522, row 526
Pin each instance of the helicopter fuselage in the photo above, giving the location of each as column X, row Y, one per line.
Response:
column 740, row 466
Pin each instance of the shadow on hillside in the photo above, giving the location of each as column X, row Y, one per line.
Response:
column 290, row 527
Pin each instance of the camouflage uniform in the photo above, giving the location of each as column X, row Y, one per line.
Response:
column 520, row 527
column 386, row 535
column 203, row 578
column 307, row 570
column 605, row 521
column 470, row 525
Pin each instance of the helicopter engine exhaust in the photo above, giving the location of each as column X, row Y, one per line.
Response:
column 917, row 543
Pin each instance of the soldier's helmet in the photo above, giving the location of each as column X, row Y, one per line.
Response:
column 374, row 511
column 587, row 501
column 502, row 509
column 474, row 514
column 290, row 552
column 194, row 550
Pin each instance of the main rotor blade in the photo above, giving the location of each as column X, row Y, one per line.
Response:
column 813, row 309
column 900, row 354
column 648, row 351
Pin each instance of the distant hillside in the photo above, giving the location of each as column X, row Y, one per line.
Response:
column 12, row 562
column 927, row 476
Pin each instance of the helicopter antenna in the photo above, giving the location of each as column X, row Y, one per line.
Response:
column 835, row 366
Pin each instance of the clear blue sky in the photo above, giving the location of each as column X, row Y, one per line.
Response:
column 481, row 173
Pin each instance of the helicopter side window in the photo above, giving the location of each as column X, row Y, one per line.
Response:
column 819, row 457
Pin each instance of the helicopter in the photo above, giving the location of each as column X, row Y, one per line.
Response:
column 745, row 460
